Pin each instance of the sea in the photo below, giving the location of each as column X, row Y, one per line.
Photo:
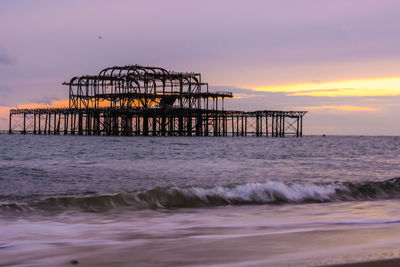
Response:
column 198, row 201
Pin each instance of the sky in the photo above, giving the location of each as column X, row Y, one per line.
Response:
column 339, row 59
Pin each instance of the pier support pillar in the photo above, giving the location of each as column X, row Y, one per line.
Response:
column 39, row 119
column 10, row 123
column 65, row 123
column 34, row 122
column 49, row 126
column 180, row 125
column 24, row 130
column 154, row 125
column 145, row 125
column 301, row 126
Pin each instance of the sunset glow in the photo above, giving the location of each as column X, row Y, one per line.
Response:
column 336, row 59
column 341, row 108
column 364, row 87
column 55, row 104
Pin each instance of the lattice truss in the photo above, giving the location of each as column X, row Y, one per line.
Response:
column 141, row 87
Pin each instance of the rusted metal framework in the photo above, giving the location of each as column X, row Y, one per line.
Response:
column 151, row 101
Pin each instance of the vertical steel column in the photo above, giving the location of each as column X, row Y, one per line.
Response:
column 39, row 117
column 257, row 126
column 272, row 124
column 233, row 127
column 189, row 124
column 242, row 132
column 24, row 131
column 154, row 125
column 98, row 119
column 65, row 123
column 100, row 126
column 245, row 128
column 88, row 123
column 115, row 124
column 137, row 125
column 301, row 125
column 199, row 124
column 58, row 124
column 163, row 124
column 49, row 129
column 171, row 125
column 237, row 125
column 45, row 123
column 206, row 122
column 180, row 124
column 145, row 125
column 215, row 124
column 9, row 124
column 73, row 122
column 55, row 123
column 96, row 123
column 34, row 122
column 223, row 124
column 226, row 125
column 80, row 123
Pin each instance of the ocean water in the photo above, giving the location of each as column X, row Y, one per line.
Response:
column 189, row 201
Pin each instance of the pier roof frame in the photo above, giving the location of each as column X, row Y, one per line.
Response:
column 139, row 84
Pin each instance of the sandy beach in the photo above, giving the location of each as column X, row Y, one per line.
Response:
column 188, row 240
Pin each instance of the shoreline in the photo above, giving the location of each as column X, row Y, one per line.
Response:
column 183, row 239
column 382, row 263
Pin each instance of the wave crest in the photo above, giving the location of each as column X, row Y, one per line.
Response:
column 197, row 196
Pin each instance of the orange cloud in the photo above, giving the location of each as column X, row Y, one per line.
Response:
column 241, row 96
column 5, row 111
column 55, row 104
column 389, row 86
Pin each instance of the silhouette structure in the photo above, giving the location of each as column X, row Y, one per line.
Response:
column 150, row 101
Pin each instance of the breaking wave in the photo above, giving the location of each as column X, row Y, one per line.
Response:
column 195, row 196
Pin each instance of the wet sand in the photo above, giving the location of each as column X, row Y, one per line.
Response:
column 380, row 263
column 309, row 246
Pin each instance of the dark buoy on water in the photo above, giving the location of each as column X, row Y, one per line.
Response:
column 323, row 135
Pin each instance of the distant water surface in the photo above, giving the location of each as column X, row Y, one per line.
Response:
column 198, row 201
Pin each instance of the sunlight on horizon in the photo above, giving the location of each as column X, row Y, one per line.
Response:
column 341, row 108
column 54, row 104
column 389, row 86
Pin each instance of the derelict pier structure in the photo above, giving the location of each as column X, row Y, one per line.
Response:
column 150, row 101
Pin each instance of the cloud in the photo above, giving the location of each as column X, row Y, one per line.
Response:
column 47, row 100
column 4, row 91
column 5, row 59
column 58, row 103
column 342, row 108
column 314, row 92
column 238, row 91
column 382, row 86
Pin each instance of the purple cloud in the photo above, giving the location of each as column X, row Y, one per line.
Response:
column 5, row 59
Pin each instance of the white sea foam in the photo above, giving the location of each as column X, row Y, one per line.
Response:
column 265, row 192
